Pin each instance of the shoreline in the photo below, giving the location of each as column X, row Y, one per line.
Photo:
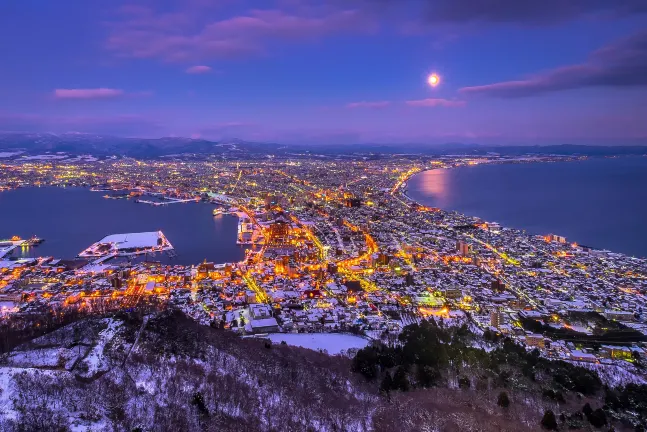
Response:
column 403, row 192
column 234, row 252
column 404, row 186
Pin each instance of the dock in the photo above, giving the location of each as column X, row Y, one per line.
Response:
column 169, row 201
column 7, row 246
column 7, row 249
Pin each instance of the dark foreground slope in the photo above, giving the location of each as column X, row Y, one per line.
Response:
column 166, row 373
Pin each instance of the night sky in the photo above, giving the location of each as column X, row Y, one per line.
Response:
column 335, row 71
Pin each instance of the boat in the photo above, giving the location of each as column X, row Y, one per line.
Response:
column 218, row 211
column 34, row 241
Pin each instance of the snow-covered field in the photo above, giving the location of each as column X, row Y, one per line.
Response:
column 332, row 343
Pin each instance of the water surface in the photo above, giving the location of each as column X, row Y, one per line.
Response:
column 596, row 202
column 71, row 219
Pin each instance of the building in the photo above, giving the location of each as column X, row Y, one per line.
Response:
column 260, row 319
column 557, row 238
column 616, row 352
column 453, row 293
column 279, row 230
column 577, row 355
column 619, row 315
column 535, row 340
column 352, row 202
column 332, row 268
column 496, row 318
column 463, row 248
column 497, row 285
column 272, row 201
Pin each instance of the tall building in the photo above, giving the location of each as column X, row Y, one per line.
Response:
column 272, row 200
column 353, row 202
column 496, row 318
column 557, row 238
column 535, row 340
column 279, row 230
column 409, row 279
column 497, row 285
column 332, row 268
column 463, row 248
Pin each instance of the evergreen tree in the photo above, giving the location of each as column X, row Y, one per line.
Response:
column 464, row 382
column 549, row 421
column 504, row 400
column 597, row 418
column 387, row 384
column 400, row 380
column 365, row 362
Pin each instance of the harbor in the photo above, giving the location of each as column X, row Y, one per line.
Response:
column 7, row 246
column 191, row 228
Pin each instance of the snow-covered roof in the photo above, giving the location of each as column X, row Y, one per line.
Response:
column 133, row 240
column 265, row 322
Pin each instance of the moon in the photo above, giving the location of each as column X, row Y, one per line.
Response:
column 433, row 80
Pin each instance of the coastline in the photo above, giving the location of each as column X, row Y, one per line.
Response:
column 179, row 223
column 405, row 192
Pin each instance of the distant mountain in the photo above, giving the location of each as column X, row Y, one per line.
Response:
column 99, row 145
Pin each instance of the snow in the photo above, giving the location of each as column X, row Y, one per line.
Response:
column 7, row 387
column 133, row 240
column 95, row 359
column 614, row 375
column 122, row 243
column 264, row 322
column 332, row 343
column 7, row 307
column 44, row 357
column 97, row 268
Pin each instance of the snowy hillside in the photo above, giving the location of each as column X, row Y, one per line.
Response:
column 165, row 372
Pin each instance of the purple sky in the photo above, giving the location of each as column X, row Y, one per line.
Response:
column 328, row 71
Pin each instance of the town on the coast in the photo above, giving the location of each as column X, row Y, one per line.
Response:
column 334, row 246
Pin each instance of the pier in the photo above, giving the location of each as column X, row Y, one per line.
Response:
column 7, row 246
column 169, row 201
column 7, row 249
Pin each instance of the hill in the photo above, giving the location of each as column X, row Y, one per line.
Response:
column 165, row 372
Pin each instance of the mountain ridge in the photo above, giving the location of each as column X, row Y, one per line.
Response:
column 105, row 145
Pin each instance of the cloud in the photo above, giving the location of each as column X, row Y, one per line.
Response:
column 527, row 11
column 200, row 30
column 537, row 12
column 185, row 35
column 622, row 64
column 198, row 69
column 96, row 93
column 377, row 104
column 436, row 102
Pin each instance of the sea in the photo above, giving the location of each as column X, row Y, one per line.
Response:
column 71, row 219
column 597, row 202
